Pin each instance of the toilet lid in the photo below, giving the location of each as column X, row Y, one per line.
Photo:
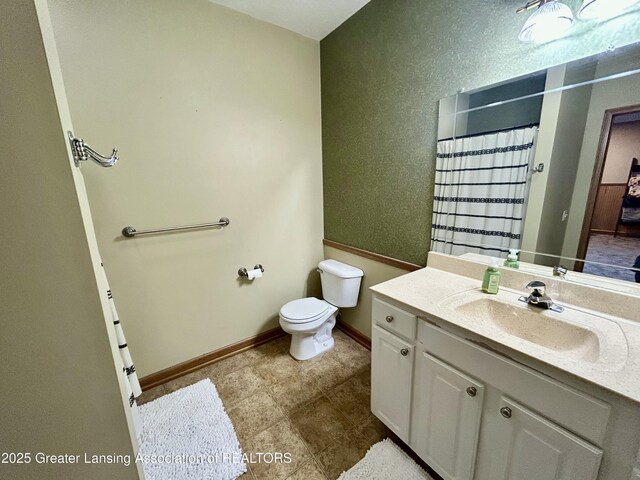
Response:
column 304, row 309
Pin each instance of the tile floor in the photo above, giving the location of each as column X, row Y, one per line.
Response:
column 316, row 410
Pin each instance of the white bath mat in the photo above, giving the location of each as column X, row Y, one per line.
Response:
column 385, row 461
column 191, row 436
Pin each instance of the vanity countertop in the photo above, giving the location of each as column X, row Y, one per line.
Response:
column 428, row 291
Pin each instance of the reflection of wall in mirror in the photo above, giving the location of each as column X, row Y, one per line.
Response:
column 570, row 124
column 606, row 95
column 508, row 115
column 559, row 144
column 544, row 148
column 449, row 124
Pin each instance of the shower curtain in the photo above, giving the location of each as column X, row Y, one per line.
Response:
column 481, row 191
column 127, row 366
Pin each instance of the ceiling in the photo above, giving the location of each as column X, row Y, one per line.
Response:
column 312, row 18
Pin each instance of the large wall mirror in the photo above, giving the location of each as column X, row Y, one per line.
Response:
column 548, row 164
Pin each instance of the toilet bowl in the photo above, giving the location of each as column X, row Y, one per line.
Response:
column 310, row 321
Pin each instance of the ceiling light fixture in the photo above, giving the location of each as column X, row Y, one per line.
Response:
column 601, row 9
column 551, row 20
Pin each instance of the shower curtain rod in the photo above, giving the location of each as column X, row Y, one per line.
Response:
column 506, row 129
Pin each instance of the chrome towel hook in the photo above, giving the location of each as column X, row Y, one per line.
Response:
column 538, row 169
column 83, row 152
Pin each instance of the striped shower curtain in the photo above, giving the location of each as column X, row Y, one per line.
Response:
column 124, row 364
column 127, row 366
column 481, row 191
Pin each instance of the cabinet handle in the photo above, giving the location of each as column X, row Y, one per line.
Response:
column 404, row 352
column 506, row 412
column 471, row 391
column 389, row 319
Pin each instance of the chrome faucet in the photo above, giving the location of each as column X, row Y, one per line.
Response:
column 538, row 295
column 559, row 271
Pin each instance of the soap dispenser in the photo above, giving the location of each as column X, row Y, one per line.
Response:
column 491, row 280
column 512, row 259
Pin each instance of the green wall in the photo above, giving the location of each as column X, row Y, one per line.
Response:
column 383, row 72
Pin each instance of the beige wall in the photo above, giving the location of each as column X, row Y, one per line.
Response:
column 375, row 272
column 624, row 146
column 450, row 122
column 545, row 140
column 215, row 114
column 563, row 163
column 606, row 95
column 558, row 146
column 59, row 386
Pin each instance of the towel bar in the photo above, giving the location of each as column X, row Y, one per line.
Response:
column 131, row 232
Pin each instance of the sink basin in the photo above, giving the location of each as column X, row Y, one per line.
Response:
column 574, row 335
column 546, row 329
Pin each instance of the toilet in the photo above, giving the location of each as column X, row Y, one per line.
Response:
column 310, row 321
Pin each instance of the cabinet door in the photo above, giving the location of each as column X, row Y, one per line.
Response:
column 391, row 376
column 530, row 447
column 446, row 418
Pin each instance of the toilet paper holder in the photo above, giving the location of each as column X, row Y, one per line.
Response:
column 243, row 272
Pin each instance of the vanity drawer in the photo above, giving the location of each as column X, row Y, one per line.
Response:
column 394, row 319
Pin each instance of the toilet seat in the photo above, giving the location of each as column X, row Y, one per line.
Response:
column 310, row 321
column 304, row 310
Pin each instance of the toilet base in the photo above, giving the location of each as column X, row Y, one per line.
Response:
column 305, row 346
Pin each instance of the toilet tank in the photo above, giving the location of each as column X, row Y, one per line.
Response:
column 340, row 283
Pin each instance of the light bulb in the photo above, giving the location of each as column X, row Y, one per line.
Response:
column 550, row 21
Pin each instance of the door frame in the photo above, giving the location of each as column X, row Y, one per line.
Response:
column 596, row 178
column 55, row 70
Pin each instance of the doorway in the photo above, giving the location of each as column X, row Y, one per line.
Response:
column 611, row 229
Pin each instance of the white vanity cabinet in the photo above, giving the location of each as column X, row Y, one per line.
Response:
column 392, row 360
column 473, row 414
column 532, row 447
column 447, row 407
